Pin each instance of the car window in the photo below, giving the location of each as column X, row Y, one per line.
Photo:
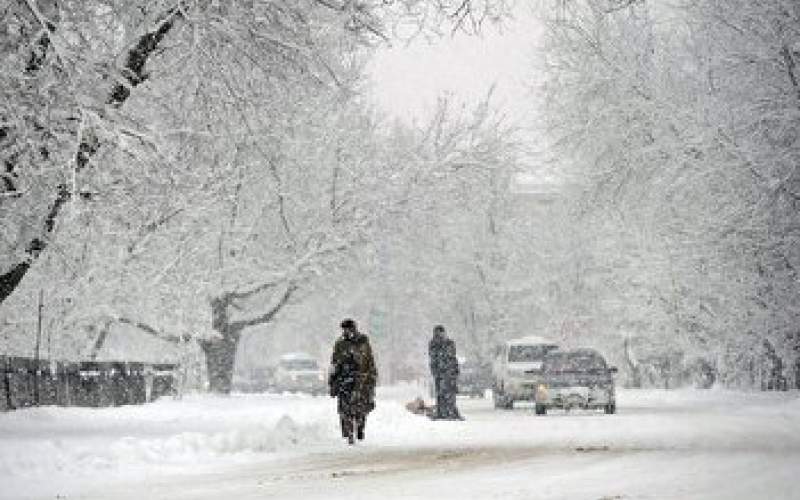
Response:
column 528, row 353
column 299, row 364
column 574, row 362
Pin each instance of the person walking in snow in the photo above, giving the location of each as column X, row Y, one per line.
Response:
column 444, row 368
column 352, row 380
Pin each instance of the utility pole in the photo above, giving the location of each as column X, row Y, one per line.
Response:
column 49, row 345
column 36, row 354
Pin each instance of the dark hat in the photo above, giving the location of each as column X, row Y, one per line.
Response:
column 348, row 324
column 438, row 328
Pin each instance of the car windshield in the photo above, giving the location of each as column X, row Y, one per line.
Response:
column 471, row 366
column 528, row 353
column 299, row 364
column 573, row 362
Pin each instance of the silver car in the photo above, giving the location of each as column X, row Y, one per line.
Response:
column 518, row 371
column 576, row 379
column 299, row 372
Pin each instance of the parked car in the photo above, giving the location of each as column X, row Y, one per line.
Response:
column 474, row 378
column 258, row 379
column 576, row 379
column 517, row 370
column 299, row 372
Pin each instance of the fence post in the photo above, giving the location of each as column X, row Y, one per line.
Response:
column 5, row 401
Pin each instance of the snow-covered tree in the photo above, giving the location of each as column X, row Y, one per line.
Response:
column 683, row 119
column 168, row 158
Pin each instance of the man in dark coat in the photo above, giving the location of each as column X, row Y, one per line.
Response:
column 444, row 368
column 352, row 379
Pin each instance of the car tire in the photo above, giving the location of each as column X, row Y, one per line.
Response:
column 501, row 401
column 497, row 400
column 540, row 409
column 610, row 409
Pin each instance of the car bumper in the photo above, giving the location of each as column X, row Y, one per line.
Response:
column 302, row 386
column 574, row 397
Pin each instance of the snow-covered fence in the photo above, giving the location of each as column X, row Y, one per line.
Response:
column 26, row 382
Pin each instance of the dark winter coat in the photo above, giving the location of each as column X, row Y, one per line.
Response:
column 442, row 357
column 353, row 375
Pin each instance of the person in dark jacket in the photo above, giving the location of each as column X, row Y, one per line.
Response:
column 352, row 380
column 444, row 368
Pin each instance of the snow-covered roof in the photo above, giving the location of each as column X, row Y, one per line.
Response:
column 530, row 340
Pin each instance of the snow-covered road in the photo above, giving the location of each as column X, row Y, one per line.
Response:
column 676, row 444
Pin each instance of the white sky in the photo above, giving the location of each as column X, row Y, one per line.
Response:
column 408, row 79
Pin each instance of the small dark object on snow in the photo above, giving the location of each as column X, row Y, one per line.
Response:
column 590, row 449
column 418, row 407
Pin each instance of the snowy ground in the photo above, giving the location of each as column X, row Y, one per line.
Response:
column 678, row 444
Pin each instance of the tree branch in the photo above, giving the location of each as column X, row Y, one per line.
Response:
column 273, row 169
column 175, row 339
column 87, row 147
column 791, row 66
column 11, row 279
column 267, row 317
column 622, row 5
column 359, row 16
column 100, row 340
column 47, row 40
column 152, row 226
column 250, row 293
column 133, row 72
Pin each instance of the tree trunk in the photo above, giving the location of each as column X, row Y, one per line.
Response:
column 221, row 352
column 635, row 380
column 220, row 356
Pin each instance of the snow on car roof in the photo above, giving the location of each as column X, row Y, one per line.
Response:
column 574, row 352
column 579, row 351
column 290, row 356
column 531, row 340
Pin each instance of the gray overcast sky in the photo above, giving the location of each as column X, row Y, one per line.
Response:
column 408, row 79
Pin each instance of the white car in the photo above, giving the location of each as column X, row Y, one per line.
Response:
column 517, row 370
column 299, row 372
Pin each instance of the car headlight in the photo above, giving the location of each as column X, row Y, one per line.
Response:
column 541, row 391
